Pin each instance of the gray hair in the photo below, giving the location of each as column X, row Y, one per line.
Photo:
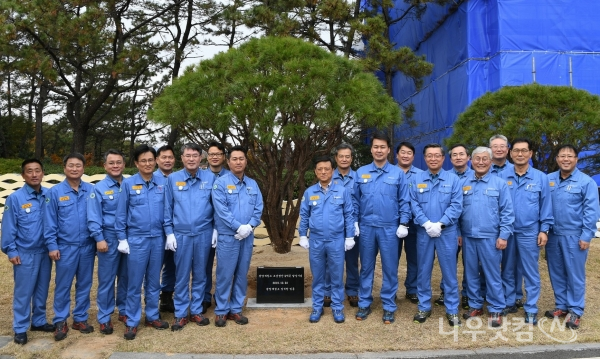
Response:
column 482, row 149
column 191, row 146
column 498, row 137
column 343, row 146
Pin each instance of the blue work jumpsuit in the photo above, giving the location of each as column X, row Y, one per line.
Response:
column 351, row 256
column 437, row 199
column 65, row 230
column 487, row 215
column 189, row 216
column 532, row 204
column 139, row 219
column 101, row 207
column 22, row 236
column 167, row 282
column 236, row 202
column 381, row 204
column 575, row 207
column 328, row 214
column 211, row 256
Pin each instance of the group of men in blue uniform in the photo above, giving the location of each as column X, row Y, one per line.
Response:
column 154, row 221
column 500, row 214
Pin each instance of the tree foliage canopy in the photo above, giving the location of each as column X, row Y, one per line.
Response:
column 287, row 101
column 546, row 115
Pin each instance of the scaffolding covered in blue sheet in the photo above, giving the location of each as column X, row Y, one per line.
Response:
column 487, row 44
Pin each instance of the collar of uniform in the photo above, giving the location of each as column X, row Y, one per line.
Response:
column 460, row 174
column 31, row 192
column 337, row 174
column 236, row 180
column 112, row 182
column 189, row 176
column 326, row 189
column 485, row 177
column 496, row 167
column 384, row 168
column 158, row 171
column 80, row 188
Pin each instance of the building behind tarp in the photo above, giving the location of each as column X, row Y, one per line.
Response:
column 484, row 45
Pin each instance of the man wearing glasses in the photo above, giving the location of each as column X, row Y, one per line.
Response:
column 188, row 226
column 70, row 246
column 436, row 204
column 575, row 206
column 382, row 207
column 139, row 227
column 530, row 193
column 486, row 224
column 216, row 162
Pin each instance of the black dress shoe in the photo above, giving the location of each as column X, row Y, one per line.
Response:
column 21, row 338
column 49, row 328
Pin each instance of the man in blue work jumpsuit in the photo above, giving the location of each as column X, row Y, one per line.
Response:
column 460, row 158
column 405, row 153
column 238, row 206
column 165, row 160
column 23, row 243
column 436, row 204
column 139, row 227
column 71, row 246
column 575, row 206
column 382, row 206
column 101, row 207
column 486, row 224
column 323, row 207
column 188, row 225
column 512, row 278
column 216, row 165
column 530, row 193
column 344, row 175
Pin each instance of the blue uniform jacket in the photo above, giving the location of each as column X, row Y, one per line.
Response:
column 236, row 202
column 160, row 178
column 101, row 208
column 22, row 222
column 140, row 210
column 410, row 179
column 347, row 182
column 531, row 201
column 462, row 175
column 487, row 208
column 381, row 198
column 575, row 203
column 495, row 170
column 441, row 202
column 322, row 213
column 188, row 207
column 65, row 216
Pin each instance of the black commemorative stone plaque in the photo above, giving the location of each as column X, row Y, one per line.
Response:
column 280, row 285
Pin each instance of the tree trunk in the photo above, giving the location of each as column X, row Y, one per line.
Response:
column 39, row 116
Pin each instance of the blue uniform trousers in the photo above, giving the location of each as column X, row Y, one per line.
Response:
column 410, row 252
column 509, row 265
column 209, row 274
column 528, row 255
column 32, row 280
column 463, row 291
column 352, row 272
column 75, row 262
column 143, row 266
column 519, row 282
column 327, row 257
column 566, row 265
column 111, row 265
column 445, row 246
column 190, row 257
column 382, row 240
column 233, row 263
column 168, row 272
column 483, row 251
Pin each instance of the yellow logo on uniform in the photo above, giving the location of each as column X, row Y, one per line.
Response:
column 551, row 183
column 312, row 198
column 179, row 183
column 26, row 205
column 230, row 186
column 64, row 198
column 109, row 192
column 466, row 188
column 422, row 185
column 509, row 183
column 365, row 176
column 136, row 187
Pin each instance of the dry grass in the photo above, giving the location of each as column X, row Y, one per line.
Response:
column 287, row 331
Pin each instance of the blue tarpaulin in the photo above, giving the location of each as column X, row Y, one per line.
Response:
column 485, row 45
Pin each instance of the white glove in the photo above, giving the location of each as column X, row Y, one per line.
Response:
column 427, row 225
column 238, row 237
column 214, row 238
column 171, row 244
column 123, row 246
column 356, row 230
column 435, row 230
column 349, row 243
column 402, row 231
column 244, row 230
column 304, row 242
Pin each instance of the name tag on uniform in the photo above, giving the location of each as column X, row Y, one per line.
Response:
column 466, row 188
column 509, row 183
column 26, row 205
column 64, row 198
column 230, row 186
column 109, row 192
column 365, row 176
column 138, row 187
column 551, row 183
column 312, row 198
column 179, row 183
column 422, row 185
